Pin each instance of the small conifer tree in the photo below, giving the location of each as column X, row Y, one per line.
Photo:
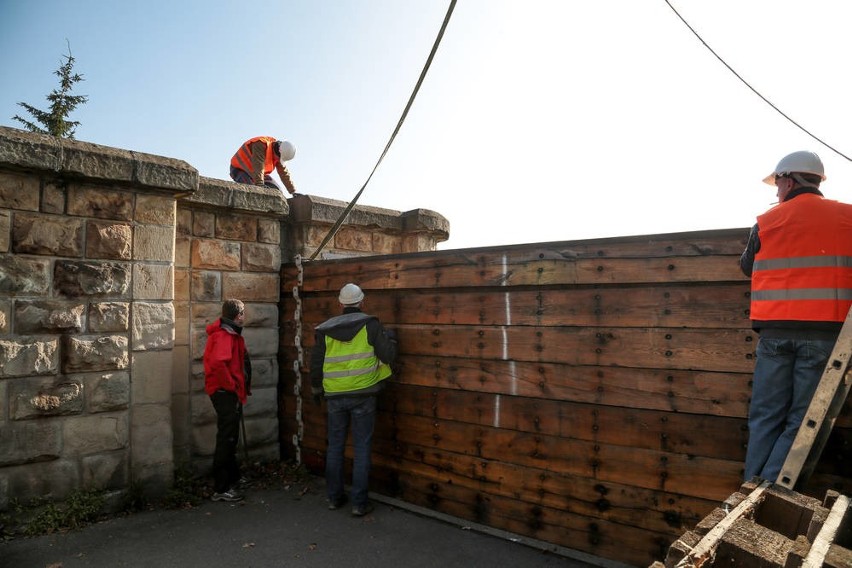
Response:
column 55, row 121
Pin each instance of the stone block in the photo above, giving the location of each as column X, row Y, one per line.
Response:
column 153, row 281
column 183, row 221
column 29, row 356
column 48, row 316
column 89, row 201
column 250, row 287
column 24, row 276
column 261, row 431
column 180, row 370
column 386, row 244
column 262, row 315
column 261, row 341
column 19, row 191
column 206, row 313
column 261, row 258
column 90, row 434
column 84, row 353
column 155, row 210
column 154, row 242
column 151, row 441
column 50, row 480
column 182, row 323
column 350, row 238
column 4, row 396
column 153, row 326
column 47, row 234
column 76, row 278
column 206, row 286
column 263, row 402
column 30, row 441
column 106, row 471
column 182, row 251
column 196, row 376
column 202, row 410
column 105, row 317
column 109, row 240
column 152, row 377
column 106, row 392
column 215, row 254
column 269, row 231
column 199, row 340
column 5, row 230
column 35, row 398
column 236, row 227
column 204, row 224
column 264, row 372
column 53, row 198
column 204, row 439
column 5, row 316
column 168, row 173
column 181, row 419
column 182, row 284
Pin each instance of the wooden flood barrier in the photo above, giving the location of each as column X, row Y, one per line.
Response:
column 591, row 394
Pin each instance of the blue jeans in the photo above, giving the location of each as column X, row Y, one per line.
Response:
column 361, row 412
column 240, row 176
column 786, row 375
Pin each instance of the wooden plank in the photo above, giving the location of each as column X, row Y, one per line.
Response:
column 677, row 433
column 723, row 305
column 504, row 271
column 825, row 537
column 723, row 350
column 588, row 534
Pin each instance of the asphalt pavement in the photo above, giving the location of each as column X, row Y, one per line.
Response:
column 288, row 528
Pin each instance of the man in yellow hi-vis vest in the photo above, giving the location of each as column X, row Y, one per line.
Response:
column 349, row 363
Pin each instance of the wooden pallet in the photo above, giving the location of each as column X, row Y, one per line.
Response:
column 768, row 525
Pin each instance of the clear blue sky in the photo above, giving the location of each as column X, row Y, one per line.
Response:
column 540, row 120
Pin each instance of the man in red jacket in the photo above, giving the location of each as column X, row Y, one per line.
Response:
column 227, row 380
column 256, row 159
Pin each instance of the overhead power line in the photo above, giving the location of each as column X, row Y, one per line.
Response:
column 767, row 101
column 351, row 204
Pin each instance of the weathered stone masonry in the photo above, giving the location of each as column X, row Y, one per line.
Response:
column 112, row 263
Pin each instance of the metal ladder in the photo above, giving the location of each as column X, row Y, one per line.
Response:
column 828, row 401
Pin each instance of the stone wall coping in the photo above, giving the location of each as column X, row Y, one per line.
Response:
column 312, row 209
column 22, row 150
column 231, row 195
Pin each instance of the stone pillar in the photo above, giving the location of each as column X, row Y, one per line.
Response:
column 366, row 231
column 86, row 316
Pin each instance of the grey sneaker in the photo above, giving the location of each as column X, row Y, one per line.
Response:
column 361, row 510
column 229, row 495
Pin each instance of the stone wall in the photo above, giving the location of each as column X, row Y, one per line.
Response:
column 112, row 263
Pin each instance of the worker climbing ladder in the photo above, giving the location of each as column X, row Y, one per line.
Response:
column 828, row 401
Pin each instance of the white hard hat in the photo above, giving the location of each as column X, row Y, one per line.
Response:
column 286, row 150
column 350, row 295
column 802, row 162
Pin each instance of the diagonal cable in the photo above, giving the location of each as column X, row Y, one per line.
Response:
column 351, row 204
column 767, row 101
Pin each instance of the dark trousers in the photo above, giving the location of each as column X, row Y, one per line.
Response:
column 226, row 472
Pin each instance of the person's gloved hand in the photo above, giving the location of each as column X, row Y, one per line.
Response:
column 317, row 395
column 391, row 333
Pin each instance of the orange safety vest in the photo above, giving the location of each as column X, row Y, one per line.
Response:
column 242, row 159
column 803, row 270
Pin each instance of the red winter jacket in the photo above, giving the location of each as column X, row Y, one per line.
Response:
column 224, row 361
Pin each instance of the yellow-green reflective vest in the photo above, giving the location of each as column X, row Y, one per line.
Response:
column 351, row 365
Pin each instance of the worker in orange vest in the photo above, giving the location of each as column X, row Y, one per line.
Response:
column 799, row 257
column 256, row 159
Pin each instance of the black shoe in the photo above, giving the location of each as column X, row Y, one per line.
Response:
column 334, row 504
column 361, row 510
